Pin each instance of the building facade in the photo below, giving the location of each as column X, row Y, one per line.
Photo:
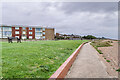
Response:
column 23, row 32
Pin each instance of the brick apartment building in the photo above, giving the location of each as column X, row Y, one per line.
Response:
column 27, row 32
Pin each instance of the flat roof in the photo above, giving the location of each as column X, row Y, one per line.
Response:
column 33, row 26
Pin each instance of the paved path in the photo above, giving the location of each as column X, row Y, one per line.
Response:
column 87, row 65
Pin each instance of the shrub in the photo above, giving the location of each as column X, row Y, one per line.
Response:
column 110, row 41
column 89, row 37
column 108, row 60
column 101, row 44
column 118, row 70
column 93, row 42
column 99, row 51
column 67, row 37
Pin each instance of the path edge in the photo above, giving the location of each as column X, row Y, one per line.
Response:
column 64, row 68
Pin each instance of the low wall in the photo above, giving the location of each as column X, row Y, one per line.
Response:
column 64, row 68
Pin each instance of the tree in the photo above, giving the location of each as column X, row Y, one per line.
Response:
column 89, row 37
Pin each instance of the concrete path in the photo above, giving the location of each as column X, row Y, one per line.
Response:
column 88, row 65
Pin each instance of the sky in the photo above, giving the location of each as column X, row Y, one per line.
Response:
column 80, row 18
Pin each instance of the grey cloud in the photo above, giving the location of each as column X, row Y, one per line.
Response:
column 90, row 7
column 99, row 19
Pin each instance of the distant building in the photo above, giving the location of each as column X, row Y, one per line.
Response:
column 57, row 34
column 27, row 32
column 65, row 36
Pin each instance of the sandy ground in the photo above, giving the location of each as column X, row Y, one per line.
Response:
column 88, row 65
column 110, row 53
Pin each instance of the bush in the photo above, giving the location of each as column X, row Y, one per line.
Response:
column 59, row 37
column 99, row 51
column 108, row 60
column 118, row 70
column 101, row 44
column 89, row 37
column 67, row 37
column 110, row 41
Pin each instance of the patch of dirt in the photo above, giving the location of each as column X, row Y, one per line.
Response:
column 110, row 53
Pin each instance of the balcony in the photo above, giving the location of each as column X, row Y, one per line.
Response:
column 38, row 31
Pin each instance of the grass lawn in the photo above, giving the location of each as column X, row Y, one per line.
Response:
column 0, row 60
column 35, row 59
column 99, row 43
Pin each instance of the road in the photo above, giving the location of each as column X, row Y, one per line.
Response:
column 88, row 65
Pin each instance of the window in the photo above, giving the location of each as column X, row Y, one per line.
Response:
column 24, row 32
column 24, row 28
column 7, row 33
column 0, row 35
column 23, row 37
column 43, row 29
column 0, row 28
column 37, row 37
column 43, row 32
column 17, row 36
column 38, row 29
column 43, row 36
column 7, row 29
column 38, row 33
column 16, row 27
column 30, row 32
column 0, row 32
column 30, row 28
column 30, row 37
column 16, row 32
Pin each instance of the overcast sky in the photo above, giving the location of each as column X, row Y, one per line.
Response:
column 82, row 18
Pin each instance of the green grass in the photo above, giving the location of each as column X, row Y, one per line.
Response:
column 99, row 51
column 99, row 43
column 0, row 60
column 35, row 59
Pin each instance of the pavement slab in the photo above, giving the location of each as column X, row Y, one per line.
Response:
column 88, row 64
